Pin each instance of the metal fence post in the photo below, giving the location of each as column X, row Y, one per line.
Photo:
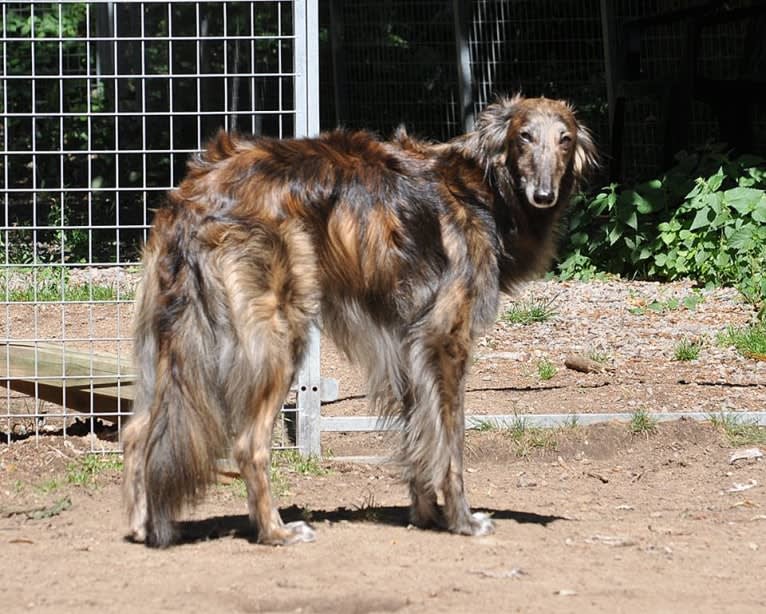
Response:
column 306, row 20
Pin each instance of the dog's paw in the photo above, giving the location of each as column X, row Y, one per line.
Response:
column 477, row 524
column 136, row 536
column 289, row 534
column 427, row 517
column 481, row 524
column 300, row 532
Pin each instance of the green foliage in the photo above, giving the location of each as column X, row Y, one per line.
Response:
column 85, row 471
column 484, row 426
column 739, row 430
column 526, row 438
column 597, row 356
column 703, row 219
column 51, row 284
column 690, row 302
column 294, row 462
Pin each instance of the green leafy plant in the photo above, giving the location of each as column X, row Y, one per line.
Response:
column 703, row 219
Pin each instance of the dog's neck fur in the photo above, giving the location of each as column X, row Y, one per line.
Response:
column 528, row 236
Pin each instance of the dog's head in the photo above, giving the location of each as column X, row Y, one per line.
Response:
column 538, row 145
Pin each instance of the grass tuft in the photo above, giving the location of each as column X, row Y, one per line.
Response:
column 598, row 356
column 750, row 341
column 529, row 311
column 546, row 370
column 53, row 284
column 739, row 431
column 642, row 422
column 85, row 470
column 687, row 350
column 528, row 438
column 293, row 462
column 484, row 426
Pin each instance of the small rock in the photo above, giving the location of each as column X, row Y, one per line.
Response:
column 585, row 365
column 738, row 487
column 515, row 356
column 524, row 482
column 611, row 540
column 745, row 454
column 565, row 592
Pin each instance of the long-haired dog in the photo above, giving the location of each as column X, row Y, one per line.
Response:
column 397, row 249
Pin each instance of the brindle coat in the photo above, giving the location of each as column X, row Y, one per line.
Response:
column 397, row 249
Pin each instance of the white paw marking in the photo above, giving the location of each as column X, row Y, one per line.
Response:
column 301, row 532
column 482, row 524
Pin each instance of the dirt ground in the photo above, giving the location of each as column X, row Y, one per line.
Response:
column 588, row 518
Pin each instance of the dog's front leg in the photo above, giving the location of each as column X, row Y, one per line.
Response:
column 435, row 424
column 457, row 513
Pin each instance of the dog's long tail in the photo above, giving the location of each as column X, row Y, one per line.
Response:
column 179, row 401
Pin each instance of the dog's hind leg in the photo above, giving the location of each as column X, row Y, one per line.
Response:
column 272, row 299
column 134, row 485
column 252, row 451
column 453, row 357
column 424, row 508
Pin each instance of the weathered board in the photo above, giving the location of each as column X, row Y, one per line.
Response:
column 88, row 382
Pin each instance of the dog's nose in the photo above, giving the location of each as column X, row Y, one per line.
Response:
column 544, row 197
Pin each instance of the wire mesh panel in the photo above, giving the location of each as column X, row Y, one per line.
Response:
column 721, row 52
column 540, row 48
column 388, row 63
column 101, row 103
column 395, row 62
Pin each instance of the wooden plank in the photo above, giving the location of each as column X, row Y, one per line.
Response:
column 87, row 382
column 26, row 360
column 83, row 381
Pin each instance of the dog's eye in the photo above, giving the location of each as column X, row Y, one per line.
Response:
column 565, row 140
column 525, row 136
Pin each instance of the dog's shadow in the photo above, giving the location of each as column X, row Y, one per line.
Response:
column 238, row 526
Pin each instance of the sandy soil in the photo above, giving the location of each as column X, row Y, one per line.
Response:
column 589, row 519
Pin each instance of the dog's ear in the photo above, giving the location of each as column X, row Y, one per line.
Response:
column 492, row 126
column 585, row 154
